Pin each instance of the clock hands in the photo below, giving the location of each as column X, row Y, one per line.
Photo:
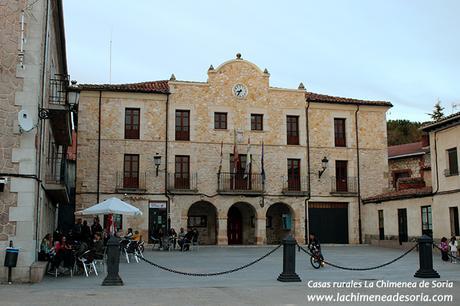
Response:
column 238, row 92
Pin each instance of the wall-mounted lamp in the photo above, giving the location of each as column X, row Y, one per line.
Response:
column 157, row 162
column 73, row 96
column 324, row 163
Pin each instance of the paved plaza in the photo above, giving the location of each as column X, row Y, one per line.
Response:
column 256, row 285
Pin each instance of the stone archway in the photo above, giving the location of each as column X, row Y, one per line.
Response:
column 241, row 224
column 202, row 215
column 280, row 222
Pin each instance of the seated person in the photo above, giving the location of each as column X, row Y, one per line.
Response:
column 46, row 248
column 97, row 250
column 136, row 236
column 172, row 237
column 129, row 234
column 185, row 243
column 314, row 247
column 63, row 254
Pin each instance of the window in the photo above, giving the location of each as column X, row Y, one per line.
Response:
column 131, row 171
column 220, row 121
column 182, row 125
column 292, row 123
column 341, row 175
column 182, row 172
column 197, row 221
column 339, row 132
column 381, row 228
column 293, row 174
column 257, row 122
column 239, row 179
column 427, row 228
column 453, row 161
column 454, row 226
column 132, row 120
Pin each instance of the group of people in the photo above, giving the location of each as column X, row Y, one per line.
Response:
column 182, row 239
column 448, row 248
column 60, row 250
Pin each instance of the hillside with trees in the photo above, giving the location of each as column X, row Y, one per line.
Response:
column 403, row 131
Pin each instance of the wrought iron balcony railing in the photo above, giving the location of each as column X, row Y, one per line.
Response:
column 182, row 182
column 295, row 184
column 58, row 90
column 344, row 184
column 229, row 182
column 131, row 182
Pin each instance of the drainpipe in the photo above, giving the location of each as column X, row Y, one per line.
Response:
column 168, row 203
column 99, row 148
column 307, row 221
column 41, row 132
column 436, row 163
column 360, row 233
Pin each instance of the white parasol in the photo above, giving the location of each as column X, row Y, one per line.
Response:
column 111, row 206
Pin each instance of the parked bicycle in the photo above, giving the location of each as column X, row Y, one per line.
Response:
column 316, row 259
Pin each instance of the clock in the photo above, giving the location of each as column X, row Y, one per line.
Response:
column 240, row 91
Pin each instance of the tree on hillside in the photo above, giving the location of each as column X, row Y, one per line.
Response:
column 403, row 131
column 437, row 113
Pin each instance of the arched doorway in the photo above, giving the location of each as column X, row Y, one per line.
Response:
column 280, row 223
column 241, row 222
column 203, row 216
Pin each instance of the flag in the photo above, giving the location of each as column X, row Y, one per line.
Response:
column 220, row 163
column 235, row 153
column 262, row 170
column 247, row 169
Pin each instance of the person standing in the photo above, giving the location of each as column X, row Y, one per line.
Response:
column 453, row 249
column 96, row 226
column 85, row 232
column 444, row 249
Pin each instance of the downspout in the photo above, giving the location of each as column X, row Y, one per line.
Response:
column 168, row 209
column 436, row 163
column 99, row 148
column 307, row 221
column 41, row 132
column 360, row 233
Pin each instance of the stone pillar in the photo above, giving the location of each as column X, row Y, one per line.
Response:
column 261, row 235
column 222, row 238
column 299, row 225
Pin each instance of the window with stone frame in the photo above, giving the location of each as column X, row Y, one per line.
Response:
column 397, row 174
column 292, row 125
column 339, row 132
column 452, row 160
column 182, row 124
column 220, row 121
column 132, row 123
column 257, row 122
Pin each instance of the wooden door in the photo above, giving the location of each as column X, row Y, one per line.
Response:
column 294, row 174
column 341, row 175
column 234, row 226
column 131, row 171
column 182, row 172
column 402, row 225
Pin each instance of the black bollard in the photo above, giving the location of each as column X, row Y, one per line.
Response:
column 288, row 274
column 425, row 249
column 113, row 263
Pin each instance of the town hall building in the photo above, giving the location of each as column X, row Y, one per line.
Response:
column 241, row 161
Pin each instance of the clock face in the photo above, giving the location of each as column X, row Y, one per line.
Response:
column 240, row 91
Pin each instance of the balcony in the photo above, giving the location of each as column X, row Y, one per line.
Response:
column 450, row 172
column 295, row 185
column 346, row 186
column 131, row 184
column 182, row 183
column 59, row 110
column 56, row 180
column 239, row 183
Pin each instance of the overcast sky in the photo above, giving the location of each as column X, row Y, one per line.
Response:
column 403, row 51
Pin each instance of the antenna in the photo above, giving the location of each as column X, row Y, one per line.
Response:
column 25, row 121
column 110, row 57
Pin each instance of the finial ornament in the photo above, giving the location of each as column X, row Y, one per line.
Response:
column 266, row 71
column 211, row 67
column 238, row 55
column 301, row 86
column 173, row 77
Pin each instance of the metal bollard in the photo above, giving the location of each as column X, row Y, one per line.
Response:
column 288, row 274
column 113, row 263
column 425, row 249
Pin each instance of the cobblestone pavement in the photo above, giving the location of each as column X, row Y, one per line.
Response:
column 256, row 285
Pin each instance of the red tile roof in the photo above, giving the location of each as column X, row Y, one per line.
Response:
column 450, row 120
column 314, row 97
column 400, row 194
column 405, row 150
column 147, row 87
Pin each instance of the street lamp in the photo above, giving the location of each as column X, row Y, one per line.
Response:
column 157, row 162
column 324, row 163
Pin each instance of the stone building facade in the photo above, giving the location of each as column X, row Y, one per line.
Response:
column 195, row 130
column 421, row 206
column 33, row 73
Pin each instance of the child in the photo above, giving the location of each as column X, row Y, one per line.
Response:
column 453, row 249
column 315, row 247
column 444, row 249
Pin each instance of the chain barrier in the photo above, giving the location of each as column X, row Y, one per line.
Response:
column 213, row 273
column 360, row 269
column 448, row 253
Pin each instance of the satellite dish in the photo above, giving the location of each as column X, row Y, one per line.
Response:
column 25, row 121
